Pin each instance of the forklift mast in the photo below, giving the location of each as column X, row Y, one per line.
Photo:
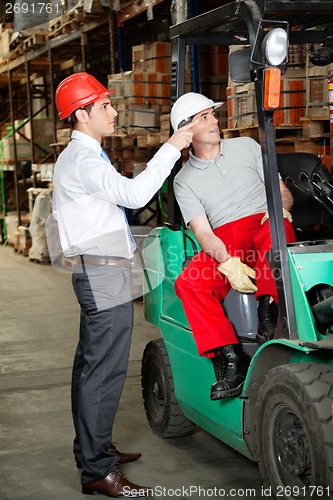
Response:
column 247, row 22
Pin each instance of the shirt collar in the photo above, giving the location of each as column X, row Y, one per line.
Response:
column 195, row 162
column 87, row 140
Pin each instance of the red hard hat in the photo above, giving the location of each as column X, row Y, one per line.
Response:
column 77, row 91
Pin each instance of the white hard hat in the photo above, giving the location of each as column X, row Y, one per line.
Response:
column 189, row 105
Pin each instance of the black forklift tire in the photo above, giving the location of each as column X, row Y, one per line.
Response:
column 295, row 431
column 163, row 412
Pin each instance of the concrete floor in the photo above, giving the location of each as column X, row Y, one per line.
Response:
column 38, row 334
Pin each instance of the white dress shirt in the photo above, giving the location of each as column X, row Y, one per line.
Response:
column 88, row 191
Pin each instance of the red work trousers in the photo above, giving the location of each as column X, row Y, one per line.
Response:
column 201, row 287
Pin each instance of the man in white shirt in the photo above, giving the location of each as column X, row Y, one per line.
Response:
column 88, row 200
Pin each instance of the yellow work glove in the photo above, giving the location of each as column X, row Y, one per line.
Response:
column 285, row 213
column 238, row 274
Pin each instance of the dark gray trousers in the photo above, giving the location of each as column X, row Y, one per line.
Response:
column 100, row 362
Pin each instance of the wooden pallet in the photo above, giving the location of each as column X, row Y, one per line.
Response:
column 61, row 25
column 151, row 140
column 251, row 131
column 34, row 41
column 3, row 62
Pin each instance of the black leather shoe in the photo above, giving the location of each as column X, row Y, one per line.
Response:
column 116, row 485
column 267, row 316
column 236, row 366
column 122, row 458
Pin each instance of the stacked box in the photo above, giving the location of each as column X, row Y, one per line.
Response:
column 152, row 57
column 158, row 88
column 241, row 106
column 138, row 118
column 242, row 103
column 165, row 124
column 23, row 149
column 317, row 90
column 150, row 87
column 151, row 67
column 5, row 36
column 12, row 224
column 138, row 57
column 63, row 135
column 158, row 57
column 296, row 55
column 292, row 98
column 122, row 84
column 139, row 88
column 46, row 172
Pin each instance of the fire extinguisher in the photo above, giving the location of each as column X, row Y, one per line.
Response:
column 330, row 99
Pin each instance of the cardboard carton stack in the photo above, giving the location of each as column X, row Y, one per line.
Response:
column 141, row 96
column 5, row 36
column 242, row 110
column 317, row 90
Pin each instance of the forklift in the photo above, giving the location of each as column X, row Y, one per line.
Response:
column 283, row 419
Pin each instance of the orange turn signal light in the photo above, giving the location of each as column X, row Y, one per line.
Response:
column 272, row 88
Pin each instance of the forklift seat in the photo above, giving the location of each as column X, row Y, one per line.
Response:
column 311, row 185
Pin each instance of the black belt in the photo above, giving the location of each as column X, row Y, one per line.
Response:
column 96, row 260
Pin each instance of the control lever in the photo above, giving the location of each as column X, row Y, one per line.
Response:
column 305, row 178
column 318, row 178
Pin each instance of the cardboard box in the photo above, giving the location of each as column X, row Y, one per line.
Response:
column 306, row 147
column 158, row 57
column 11, row 221
column 122, row 84
column 317, row 96
column 138, row 57
column 5, row 36
column 151, row 87
column 23, row 149
column 143, row 117
column 63, row 135
column 292, row 98
column 312, row 127
column 138, row 118
column 152, row 57
column 46, row 172
column 165, row 124
column 241, row 106
column 139, row 87
column 296, row 55
column 158, row 88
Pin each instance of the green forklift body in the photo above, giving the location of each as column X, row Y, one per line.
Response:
column 302, row 270
column 192, row 374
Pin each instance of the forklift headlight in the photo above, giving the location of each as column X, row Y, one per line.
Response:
column 275, row 45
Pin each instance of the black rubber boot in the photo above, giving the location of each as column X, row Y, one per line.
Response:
column 219, row 363
column 230, row 380
column 267, row 316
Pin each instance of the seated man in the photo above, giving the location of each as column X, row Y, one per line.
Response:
column 221, row 194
